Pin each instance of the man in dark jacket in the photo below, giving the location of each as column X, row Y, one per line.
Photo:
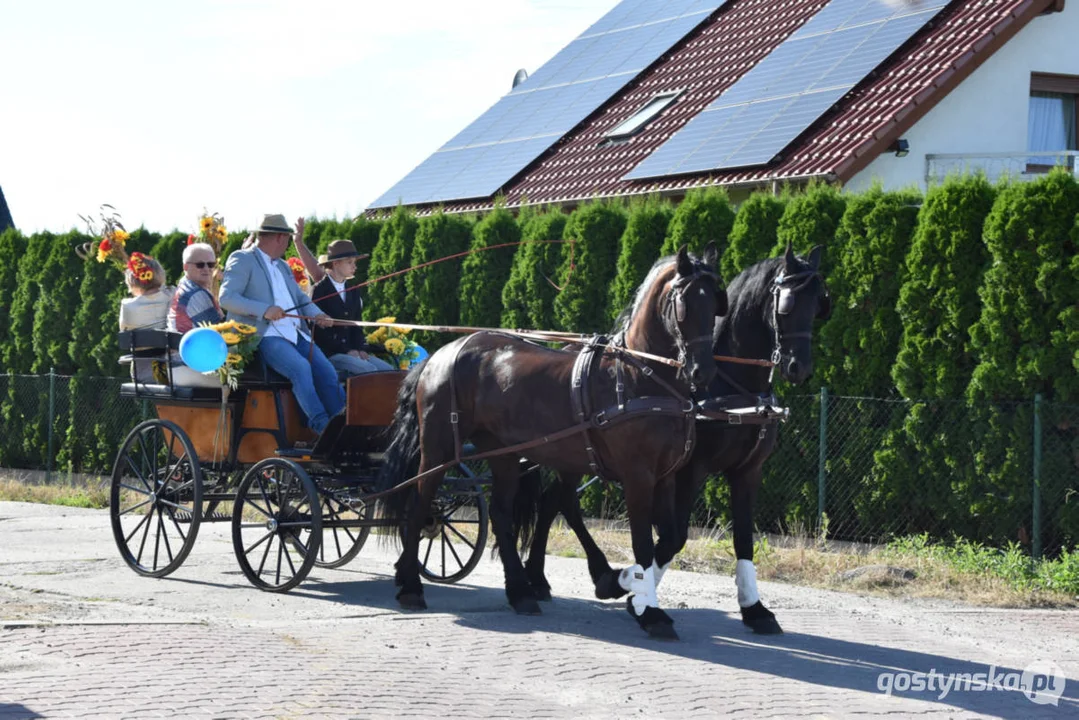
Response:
column 345, row 346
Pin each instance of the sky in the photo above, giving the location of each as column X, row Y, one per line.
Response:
column 241, row 107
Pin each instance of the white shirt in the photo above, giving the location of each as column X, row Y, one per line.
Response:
column 287, row 327
column 340, row 287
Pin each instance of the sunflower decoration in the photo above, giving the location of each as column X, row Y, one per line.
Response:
column 299, row 273
column 113, row 236
column 141, row 270
column 399, row 351
column 242, row 341
column 212, row 231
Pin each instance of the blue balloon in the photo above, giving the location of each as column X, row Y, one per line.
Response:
column 203, row 349
column 421, row 355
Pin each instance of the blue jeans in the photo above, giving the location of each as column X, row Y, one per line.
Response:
column 356, row 366
column 314, row 383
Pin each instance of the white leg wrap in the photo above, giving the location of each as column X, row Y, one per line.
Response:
column 642, row 583
column 658, row 571
column 745, row 579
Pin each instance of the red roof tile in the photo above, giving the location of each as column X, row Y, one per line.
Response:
column 720, row 51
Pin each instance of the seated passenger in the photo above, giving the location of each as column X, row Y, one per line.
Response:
column 346, row 346
column 148, row 307
column 259, row 290
column 192, row 304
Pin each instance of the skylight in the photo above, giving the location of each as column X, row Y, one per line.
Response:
column 642, row 117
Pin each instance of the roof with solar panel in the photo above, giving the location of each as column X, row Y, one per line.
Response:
column 663, row 95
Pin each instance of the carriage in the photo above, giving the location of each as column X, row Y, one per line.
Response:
column 244, row 456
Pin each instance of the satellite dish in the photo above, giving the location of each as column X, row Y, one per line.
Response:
column 520, row 77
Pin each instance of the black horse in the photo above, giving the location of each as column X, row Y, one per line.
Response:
column 772, row 308
column 499, row 392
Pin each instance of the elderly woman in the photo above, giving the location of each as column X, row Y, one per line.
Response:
column 148, row 306
column 194, row 303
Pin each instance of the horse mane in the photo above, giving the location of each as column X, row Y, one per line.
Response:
column 642, row 298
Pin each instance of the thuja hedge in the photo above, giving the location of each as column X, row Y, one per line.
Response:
column 956, row 308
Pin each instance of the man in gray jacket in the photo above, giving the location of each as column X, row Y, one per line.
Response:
column 257, row 289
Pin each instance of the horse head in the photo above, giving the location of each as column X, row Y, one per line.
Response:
column 799, row 296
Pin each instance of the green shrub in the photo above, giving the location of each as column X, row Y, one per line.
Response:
column 484, row 272
column 753, row 235
column 589, row 266
column 705, row 215
column 392, row 253
column 645, row 232
column 434, row 289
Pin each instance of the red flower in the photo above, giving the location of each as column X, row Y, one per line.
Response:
column 190, row 239
column 105, row 245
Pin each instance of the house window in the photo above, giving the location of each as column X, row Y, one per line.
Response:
column 1051, row 125
column 642, row 117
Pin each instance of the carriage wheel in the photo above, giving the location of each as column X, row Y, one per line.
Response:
column 455, row 534
column 155, row 500
column 276, row 524
column 340, row 545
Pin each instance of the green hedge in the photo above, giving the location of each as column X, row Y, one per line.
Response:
column 952, row 310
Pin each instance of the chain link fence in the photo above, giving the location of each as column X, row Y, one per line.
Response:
column 847, row 468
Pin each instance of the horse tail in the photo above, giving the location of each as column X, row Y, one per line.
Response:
column 526, row 507
column 401, row 460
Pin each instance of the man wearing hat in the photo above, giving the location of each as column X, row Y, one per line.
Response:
column 345, row 346
column 258, row 289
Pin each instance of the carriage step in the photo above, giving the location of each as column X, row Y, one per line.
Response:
column 185, row 517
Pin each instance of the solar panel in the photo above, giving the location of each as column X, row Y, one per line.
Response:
column 564, row 91
column 779, row 98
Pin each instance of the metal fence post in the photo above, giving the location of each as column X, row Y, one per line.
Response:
column 52, row 420
column 822, row 457
column 1036, row 491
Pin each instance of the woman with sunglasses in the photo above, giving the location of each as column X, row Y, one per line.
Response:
column 194, row 303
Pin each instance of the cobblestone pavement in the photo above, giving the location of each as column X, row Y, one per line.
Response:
column 82, row 636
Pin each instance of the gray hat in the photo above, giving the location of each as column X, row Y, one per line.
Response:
column 274, row 224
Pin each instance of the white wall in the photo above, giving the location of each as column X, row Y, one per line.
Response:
column 987, row 112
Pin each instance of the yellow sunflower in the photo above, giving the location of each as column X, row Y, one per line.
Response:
column 120, row 236
column 386, row 320
column 245, row 329
column 231, row 338
column 395, row 346
column 403, row 365
column 206, row 223
column 233, row 359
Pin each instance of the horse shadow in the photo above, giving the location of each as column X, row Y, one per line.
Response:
column 15, row 711
column 717, row 638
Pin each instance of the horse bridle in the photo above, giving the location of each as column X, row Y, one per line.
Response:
column 784, row 289
column 677, row 297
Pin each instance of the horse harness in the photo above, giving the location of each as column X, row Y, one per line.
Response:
column 673, row 404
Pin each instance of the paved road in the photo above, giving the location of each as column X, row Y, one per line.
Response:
column 82, row 636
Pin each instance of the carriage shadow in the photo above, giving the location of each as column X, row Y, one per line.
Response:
column 713, row 637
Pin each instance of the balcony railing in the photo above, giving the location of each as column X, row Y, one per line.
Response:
column 1015, row 165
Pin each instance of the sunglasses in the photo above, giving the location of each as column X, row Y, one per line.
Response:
column 201, row 265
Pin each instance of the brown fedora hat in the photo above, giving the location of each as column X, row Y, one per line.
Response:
column 339, row 250
column 274, row 223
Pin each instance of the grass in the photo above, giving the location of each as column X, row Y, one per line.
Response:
column 961, row 571
column 61, row 493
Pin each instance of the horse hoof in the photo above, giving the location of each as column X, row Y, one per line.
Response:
column 411, row 601
column 542, row 594
column 661, row 631
column 527, row 606
column 607, row 587
column 653, row 621
column 761, row 620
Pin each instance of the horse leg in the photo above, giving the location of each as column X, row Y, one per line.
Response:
column 407, row 577
column 603, row 577
column 674, row 533
column 537, row 550
column 744, row 485
column 640, row 579
column 505, row 472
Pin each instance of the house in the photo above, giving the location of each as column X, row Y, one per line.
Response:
column 5, row 215
column 661, row 96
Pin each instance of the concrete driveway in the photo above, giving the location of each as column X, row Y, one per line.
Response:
column 83, row 636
